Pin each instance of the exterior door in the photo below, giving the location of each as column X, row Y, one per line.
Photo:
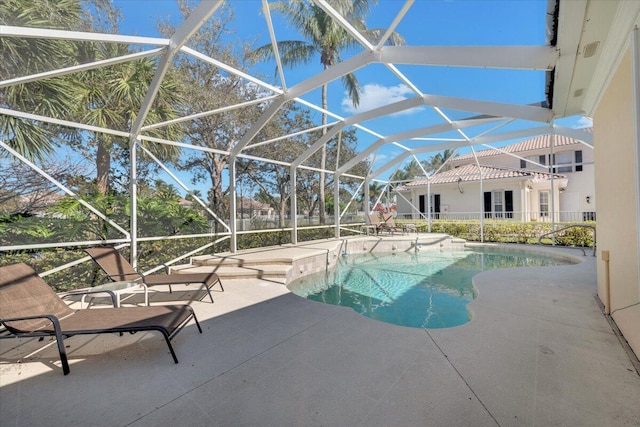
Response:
column 436, row 206
column 487, row 204
column 508, row 204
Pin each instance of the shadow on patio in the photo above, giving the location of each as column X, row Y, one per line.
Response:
column 538, row 351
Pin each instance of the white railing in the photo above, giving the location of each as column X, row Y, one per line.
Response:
column 520, row 216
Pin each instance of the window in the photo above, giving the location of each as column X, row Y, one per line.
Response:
column 578, row 160
column 542, row 159
column 564, row 162
column 435, row 206
column 544, row 203
column 498, row 204
column 523, row 164
column 498, row 207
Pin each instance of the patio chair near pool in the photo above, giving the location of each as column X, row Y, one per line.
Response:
column 390, row 225
column 374, row 222
column 118, row 269
column 30, row 308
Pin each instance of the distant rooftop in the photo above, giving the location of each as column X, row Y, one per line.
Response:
column 537, row 143
column 471, row 173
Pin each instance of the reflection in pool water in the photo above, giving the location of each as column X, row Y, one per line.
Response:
column 425, row 289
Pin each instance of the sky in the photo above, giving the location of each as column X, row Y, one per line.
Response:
column 429, row 22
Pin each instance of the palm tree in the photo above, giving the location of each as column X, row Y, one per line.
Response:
column 438, row 160
column 409, row 171
column 111, row 97
column 375, row 188
column 107, row 97
column 24, row 56
column 326, row 38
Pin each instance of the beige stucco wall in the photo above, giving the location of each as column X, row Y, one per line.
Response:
column 618, row 230
column 570, row 204
column 469, row 203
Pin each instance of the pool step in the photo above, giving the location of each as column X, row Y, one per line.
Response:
column 234, row 261
column 286, row 262
column 273, row 272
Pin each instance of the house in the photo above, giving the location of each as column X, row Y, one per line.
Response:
column 523, row 181
column 249, row 208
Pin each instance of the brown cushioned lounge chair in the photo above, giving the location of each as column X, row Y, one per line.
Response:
column 390, row 225
column 30, row 308
column 118, row 269
column 374, row 221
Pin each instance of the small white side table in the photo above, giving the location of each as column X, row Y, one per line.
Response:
column 118, row 288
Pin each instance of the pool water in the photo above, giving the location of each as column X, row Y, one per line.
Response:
column 424, row 289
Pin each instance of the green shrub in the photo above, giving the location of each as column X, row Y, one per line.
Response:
column 511, row 231
column 152, row 254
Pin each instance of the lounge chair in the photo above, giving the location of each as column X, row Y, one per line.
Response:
column 390, row 224
column 374, row 221
column 118, row 269
column 30, row 308
column 405, row 227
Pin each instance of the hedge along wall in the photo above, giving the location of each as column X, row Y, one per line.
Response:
column 150, row 255
column 156, row 253
column 510, row 232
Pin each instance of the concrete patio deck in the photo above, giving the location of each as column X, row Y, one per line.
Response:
column 538, row 351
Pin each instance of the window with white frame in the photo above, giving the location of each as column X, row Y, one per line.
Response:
column 567, row 161
column 498, row 204
column 564, row 162
column 578, row 160
column 544, row 203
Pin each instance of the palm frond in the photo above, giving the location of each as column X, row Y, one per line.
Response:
column 352, row 86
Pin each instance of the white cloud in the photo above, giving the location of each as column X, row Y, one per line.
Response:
column 584, row 122
column 380, row 159
column 375, row 95
column 383, row 158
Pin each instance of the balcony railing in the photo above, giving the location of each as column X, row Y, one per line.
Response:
column 521, row 216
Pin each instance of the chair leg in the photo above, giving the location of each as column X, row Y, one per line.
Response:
column 195, row 319
column 209, row 292
column 61, row 350
column 168, row 340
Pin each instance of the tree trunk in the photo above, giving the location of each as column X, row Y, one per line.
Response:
column 282, row 212
column 103, row 166
column 216, row 195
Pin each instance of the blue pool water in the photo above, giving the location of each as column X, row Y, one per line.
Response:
column 422, row 290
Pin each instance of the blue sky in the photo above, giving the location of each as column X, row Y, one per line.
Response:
column 445, row 22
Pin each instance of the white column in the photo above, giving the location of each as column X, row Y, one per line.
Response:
column 414, row 201
column 635, row 78
column 552, row 163
column 367, row 200
column 475, row 157
column 336, row 205
column 429, row 203
column 133, row 196
column 294, row 206
column 481, row 203
column 232, row 205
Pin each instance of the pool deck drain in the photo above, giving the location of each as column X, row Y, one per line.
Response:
column 538, row 351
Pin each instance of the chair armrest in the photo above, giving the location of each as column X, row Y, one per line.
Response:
column 126, row 276
column 53, row 319
column 105, row 291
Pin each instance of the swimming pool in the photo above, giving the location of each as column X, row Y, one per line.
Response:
column 425, row 289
